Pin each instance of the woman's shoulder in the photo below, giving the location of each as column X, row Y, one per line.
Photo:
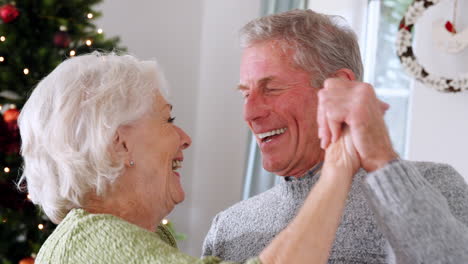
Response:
column 86, row 237
column 106, row 228
column 81, row 221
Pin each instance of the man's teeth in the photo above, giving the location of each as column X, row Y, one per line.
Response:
column 176, row 164
column 272, row 133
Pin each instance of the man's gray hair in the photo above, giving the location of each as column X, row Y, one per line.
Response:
column 322, row 43
column 69, row 122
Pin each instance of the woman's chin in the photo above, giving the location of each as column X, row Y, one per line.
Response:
column 180, row 196
column 176, row 191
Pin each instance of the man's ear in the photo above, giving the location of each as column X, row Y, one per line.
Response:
column 120, row 147
column 345, row 73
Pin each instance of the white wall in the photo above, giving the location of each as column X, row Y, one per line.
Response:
column 439, row 128
column 439, row 122
column 354, row 11
column 196, row 44
column 221, row 135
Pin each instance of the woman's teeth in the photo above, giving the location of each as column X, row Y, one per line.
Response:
column 272, row 133
column 176, row 164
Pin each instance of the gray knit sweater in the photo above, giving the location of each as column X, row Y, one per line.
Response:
column 415, row 217
column 247, row 227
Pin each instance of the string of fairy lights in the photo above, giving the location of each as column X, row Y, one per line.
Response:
column 72, row 52
column 26, row 71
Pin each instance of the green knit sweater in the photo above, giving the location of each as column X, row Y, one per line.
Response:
column 98, row 238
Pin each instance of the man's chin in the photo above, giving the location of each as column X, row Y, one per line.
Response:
column 273, row 167
column 284, row 170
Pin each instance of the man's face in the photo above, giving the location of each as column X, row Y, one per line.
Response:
column 280, row 108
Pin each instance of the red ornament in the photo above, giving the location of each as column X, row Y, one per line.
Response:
column 12, row 143
column 4, row 139
column 11, row 115
column 8, row 13
column 62, row 39
column 407, row 28
column 27, row 261
column 450, row 27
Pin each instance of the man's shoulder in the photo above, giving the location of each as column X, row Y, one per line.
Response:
column 267, row 212
column 252, row 206
column 449, row 183
column 244, row 229
column 431, row 171
column 438, row 174
column 427, row 166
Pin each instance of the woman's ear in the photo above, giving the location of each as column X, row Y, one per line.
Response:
column 120, row 146
column 345, row 73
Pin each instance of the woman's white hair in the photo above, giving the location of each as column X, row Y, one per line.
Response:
column 69, row 121
column 323, row 44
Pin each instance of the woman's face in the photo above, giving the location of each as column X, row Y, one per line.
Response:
column 155, row 144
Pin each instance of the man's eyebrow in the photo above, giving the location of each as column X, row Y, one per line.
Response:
column 241, row 87
column 261, row 82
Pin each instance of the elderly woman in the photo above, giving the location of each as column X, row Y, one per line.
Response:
column 101, row 153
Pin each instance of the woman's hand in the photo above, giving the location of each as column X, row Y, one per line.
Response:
column 342, row 155
column 309, row 237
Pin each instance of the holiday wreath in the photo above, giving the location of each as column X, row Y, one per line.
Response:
column 409, row 60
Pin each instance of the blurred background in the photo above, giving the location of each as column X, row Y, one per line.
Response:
column 196, row 43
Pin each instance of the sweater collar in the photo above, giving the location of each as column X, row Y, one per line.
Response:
column 166, row 235
column 299, row 188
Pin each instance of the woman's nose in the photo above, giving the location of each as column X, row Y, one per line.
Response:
column 185, row 139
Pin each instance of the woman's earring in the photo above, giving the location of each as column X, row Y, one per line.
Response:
column 132, row 163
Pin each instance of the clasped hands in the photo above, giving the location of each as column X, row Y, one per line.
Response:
column 351, row 126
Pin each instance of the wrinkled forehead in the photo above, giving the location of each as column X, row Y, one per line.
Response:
column 265, row 60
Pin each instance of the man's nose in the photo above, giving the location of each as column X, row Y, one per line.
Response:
column 255, row 107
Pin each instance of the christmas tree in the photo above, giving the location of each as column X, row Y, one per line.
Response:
column 35, row 36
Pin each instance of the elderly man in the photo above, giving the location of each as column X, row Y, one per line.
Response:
column 301, row 76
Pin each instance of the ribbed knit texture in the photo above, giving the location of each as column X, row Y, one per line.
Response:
column 415, row 217
column 97, row 238
column 247, row 227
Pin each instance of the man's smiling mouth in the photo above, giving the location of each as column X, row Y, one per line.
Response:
column 267, row 136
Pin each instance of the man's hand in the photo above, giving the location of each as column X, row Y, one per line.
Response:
column 355, row 105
